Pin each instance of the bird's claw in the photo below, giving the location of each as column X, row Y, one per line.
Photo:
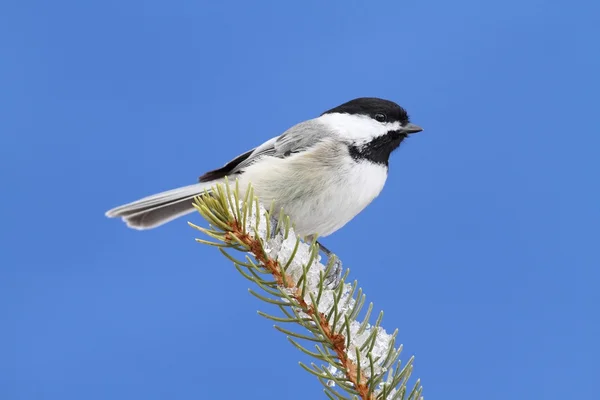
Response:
column 334, row 275
column 273, row 221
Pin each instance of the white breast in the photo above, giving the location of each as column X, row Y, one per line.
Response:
column 321, row 189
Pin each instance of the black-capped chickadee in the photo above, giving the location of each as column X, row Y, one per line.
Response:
column 322, row 171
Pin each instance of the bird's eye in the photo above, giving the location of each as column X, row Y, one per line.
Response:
column 381, row 117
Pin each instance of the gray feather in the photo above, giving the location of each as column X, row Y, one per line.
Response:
column 160, row 215
column 158, row 209
column 296, row 139
column 301, row 137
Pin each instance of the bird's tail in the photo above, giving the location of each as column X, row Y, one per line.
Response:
column 158, row 209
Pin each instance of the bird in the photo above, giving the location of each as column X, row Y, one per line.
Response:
column 322, row 172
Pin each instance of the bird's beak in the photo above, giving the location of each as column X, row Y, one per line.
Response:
column 410, row 128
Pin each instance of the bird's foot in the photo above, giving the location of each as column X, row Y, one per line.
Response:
column 273, row 225
column 334, row 273
column 334, row 276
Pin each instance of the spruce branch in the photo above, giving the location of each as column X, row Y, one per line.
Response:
column 358, row 358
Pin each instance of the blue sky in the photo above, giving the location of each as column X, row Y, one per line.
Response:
column 482, row 248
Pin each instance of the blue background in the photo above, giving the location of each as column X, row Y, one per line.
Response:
column 482, row 249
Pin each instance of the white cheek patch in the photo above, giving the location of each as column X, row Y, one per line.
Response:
column 359, row 129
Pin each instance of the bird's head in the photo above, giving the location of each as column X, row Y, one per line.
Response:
column 373, row 128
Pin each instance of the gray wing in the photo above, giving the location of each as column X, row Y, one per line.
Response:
column 296, row 139
column 300, row 137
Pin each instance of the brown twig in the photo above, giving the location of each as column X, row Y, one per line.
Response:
column 337, row 339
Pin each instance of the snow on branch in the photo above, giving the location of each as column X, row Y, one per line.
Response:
column 355, row 359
